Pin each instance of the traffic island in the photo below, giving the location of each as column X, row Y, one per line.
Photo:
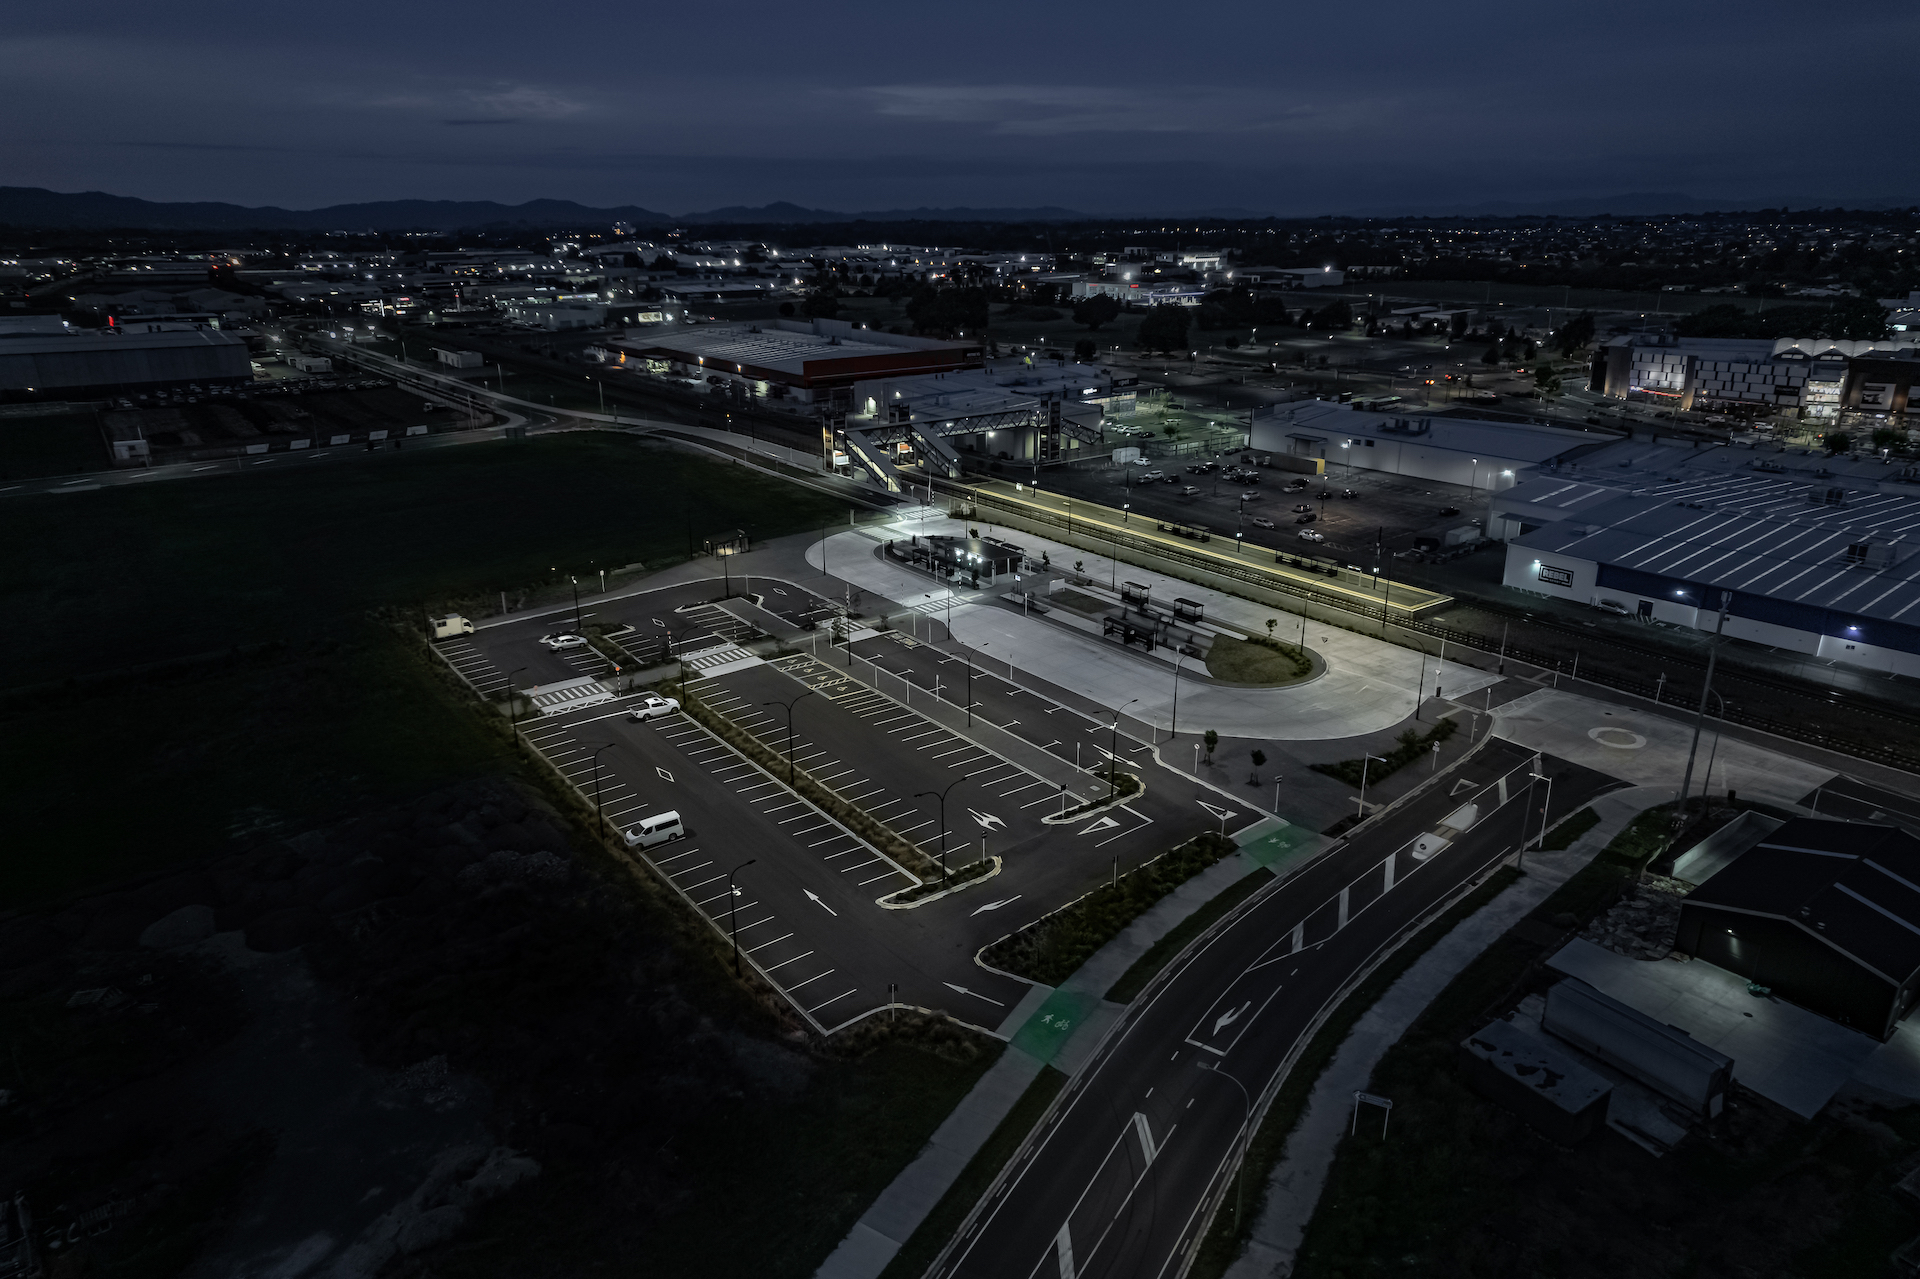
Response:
column 1051, row 948
column 1122, row 787
column 934, row 889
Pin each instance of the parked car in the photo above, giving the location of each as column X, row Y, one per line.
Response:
column 1303, row 508
column 563, row 639
column 1308, row 518
column 1348, row 493
column 1170, row 479
column 1449, row 510
column 1259, row 521
column 1613, row 606
column 1250, row 496
column 1294, row 486
column 657, row 829
column 1310, row 535
column 1189, row 491
column 1153, row 475
column 652, row 707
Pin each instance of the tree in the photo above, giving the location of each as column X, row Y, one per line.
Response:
column 1859, row 319
column 1575, row 333
column 1547, row 378
column 1084, row 350
column 1271, row 623
column 786, row 308
column 1095, row 311
column 1211, row 739
column 1164, row 329
column 1259, row 757
column 1334, row 315
column 1493, row 354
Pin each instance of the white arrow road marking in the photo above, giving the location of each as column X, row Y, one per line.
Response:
column 1217, row 812
column 1063, row 1249
column 963, row 990
column 1225, row 1019
column 664, row 774
column 822, row 905
column 1105, row 823
column 656, row 621
column 986, row 821
column 1141, row 1127
column 1004, row 901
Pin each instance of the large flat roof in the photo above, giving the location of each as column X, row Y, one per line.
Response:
column 1474, row 437
column 1778, row 545
column 797, row 354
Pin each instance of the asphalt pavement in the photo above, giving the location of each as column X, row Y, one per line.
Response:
column 1120, row 1181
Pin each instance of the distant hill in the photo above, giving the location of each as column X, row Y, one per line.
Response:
column 95, row 210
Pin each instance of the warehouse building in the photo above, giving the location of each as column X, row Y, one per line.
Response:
column 1486, row 457
column 83, row 363
column 1800, row 563
column 1824, row 914
column 812, row 361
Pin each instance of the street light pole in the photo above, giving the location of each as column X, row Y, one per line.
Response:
column 1240, row 1178
column 599, row 820
column 513, row 695
column 1366, row 762
column 576, row 602
column 788, row 706
column 1542, row 777
column 1174, row 730
column 941, row 795
column 1113, row 755
column 1686, row 784
column 733, row 911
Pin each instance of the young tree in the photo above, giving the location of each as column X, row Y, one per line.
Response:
column 1210, row 739
column 1259, row 758
column 1095, row 311
column 1164, row 329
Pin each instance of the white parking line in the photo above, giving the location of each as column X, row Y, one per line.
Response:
column 783, row 963
column 816, row 977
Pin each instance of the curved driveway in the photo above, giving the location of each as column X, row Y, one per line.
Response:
column 1368, row 685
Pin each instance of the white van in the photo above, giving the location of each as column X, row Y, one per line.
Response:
column 658, row 829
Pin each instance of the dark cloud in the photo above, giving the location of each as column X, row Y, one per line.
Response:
column 1122, row 106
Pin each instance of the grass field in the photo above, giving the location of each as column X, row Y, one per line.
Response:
column 286, row 701
column 50, row 444
column 1239, row 662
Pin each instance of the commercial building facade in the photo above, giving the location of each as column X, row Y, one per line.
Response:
column 1812, row 378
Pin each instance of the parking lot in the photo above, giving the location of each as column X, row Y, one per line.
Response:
column 805, row 915
column 1395, row 508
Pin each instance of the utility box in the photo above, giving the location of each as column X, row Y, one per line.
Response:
column 1664, row 1058
column 450, row 625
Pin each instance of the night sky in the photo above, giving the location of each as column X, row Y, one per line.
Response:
column 1109, row 108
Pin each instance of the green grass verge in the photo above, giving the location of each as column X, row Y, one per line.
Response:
column 1135, row 979
column 1570, row 828
column 933, row 1233
column 1412, row 746
column 1226, row 1237
column 1268, row 663
column 1049, row 950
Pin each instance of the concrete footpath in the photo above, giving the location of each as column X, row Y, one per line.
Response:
column 1062, row 1027
column 1293, row 1191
